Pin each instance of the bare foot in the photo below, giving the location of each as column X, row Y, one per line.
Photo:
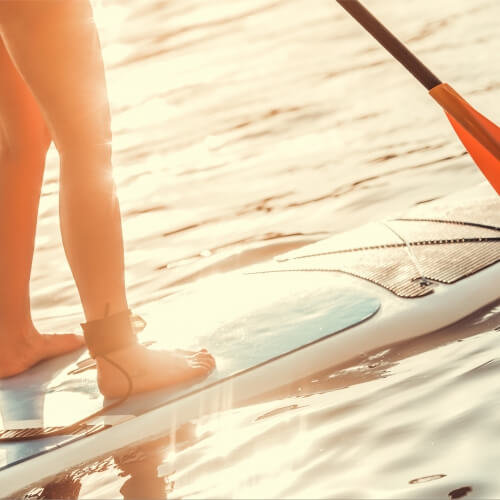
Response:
column 19, row 354
column 151, row 369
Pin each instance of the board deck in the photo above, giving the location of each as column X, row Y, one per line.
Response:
column 291, row 313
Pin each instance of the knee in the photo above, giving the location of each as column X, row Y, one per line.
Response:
column 84, row 158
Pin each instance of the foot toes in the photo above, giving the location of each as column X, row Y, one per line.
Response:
column 207, row 363
column 204, row 358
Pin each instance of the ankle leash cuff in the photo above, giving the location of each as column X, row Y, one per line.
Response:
column 109, row 334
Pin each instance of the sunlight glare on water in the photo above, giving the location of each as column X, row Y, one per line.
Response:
column 244, row 129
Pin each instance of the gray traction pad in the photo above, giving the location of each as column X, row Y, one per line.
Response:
column 407, row 256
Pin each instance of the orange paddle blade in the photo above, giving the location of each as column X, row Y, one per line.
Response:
column 480, row 136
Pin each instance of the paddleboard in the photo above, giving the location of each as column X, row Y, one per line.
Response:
column 307, row 310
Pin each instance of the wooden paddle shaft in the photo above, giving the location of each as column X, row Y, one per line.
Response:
column 423, row 74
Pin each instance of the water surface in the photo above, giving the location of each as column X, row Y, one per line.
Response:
column 242, row 129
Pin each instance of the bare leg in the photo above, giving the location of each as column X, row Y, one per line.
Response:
column 60, row 60
column 24, row 140
column 65, row 73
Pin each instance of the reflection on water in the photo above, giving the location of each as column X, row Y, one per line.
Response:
column 245, row 129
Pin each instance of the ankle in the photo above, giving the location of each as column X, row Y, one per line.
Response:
column 109, row 334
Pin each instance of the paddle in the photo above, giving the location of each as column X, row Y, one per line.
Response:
column 480, row 136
